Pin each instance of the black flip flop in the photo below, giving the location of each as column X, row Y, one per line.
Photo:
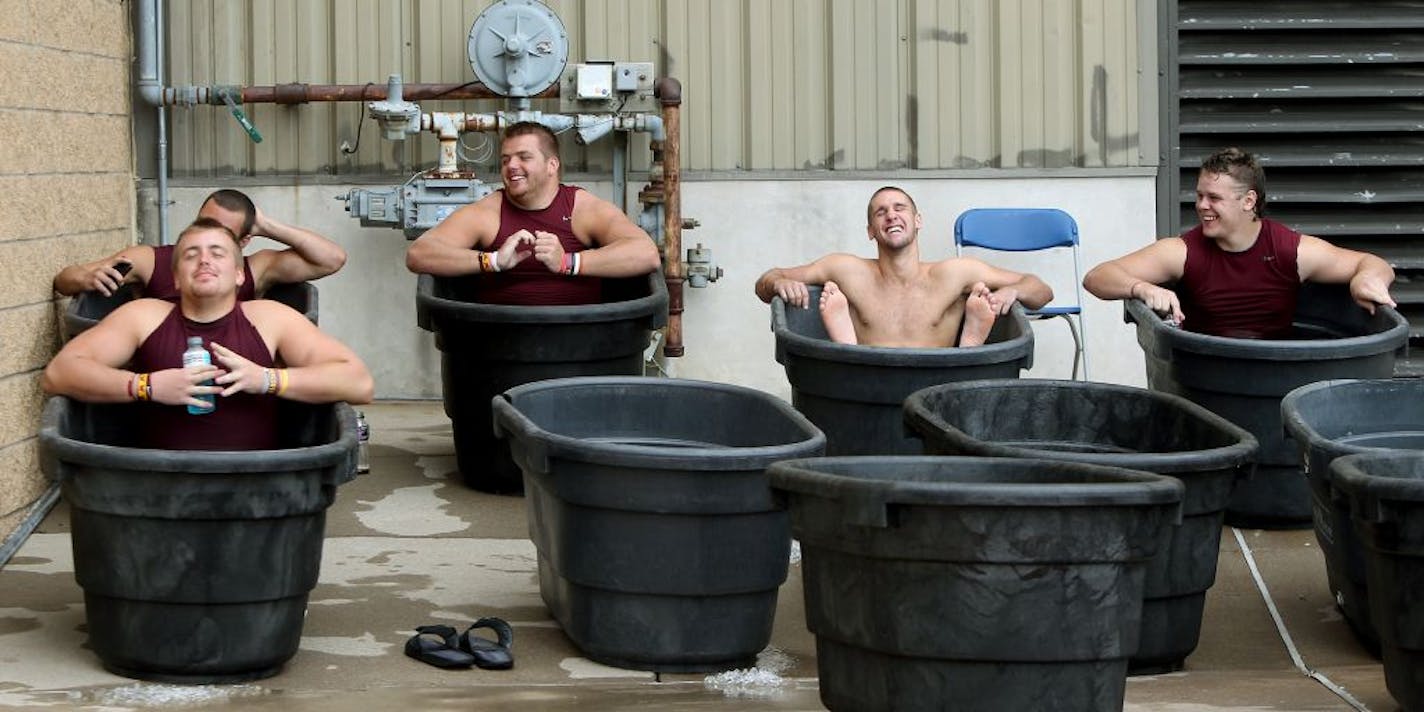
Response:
column 441, row 653
column 488, row 654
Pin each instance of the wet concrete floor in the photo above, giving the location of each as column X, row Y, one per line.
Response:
column 409, row 544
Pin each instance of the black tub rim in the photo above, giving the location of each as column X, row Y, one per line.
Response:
column 1306, row 433
column 1130, row 488
column 1367, row 488
column 58, row 448
column 1242, row 452
column 1019, row 348
column 545, row 444
column 654, row 305
column 1135, row 311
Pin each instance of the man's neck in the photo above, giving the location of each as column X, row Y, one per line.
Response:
column 1242, row 239
column 206, row 309
column 900, row 265
column 536, row 202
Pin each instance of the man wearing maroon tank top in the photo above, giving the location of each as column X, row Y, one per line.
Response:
column 1237, row 274
column 308, row 256
column 537, row 241
column 262, row 350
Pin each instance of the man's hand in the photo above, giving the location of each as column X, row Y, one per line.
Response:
column 105, row 276
column 1002, row 300
column 243, row 376
column 179, row 386
column 549, row 251
column 792, row 292
column 515, row 249
column 1162, row 300
column 1369, row 290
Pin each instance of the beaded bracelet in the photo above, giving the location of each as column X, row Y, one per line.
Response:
column 269, row 382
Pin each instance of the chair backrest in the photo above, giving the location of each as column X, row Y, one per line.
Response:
column 1015, row 229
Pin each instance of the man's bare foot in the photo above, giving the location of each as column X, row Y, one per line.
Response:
column 835, row 314
column 978, row 319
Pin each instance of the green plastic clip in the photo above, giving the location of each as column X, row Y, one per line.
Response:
column 242, row 121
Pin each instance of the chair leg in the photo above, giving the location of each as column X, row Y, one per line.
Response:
column 1079, row 355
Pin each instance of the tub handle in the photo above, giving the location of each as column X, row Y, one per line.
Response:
column 866, row 512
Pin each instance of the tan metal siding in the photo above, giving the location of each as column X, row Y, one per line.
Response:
column 767, row 84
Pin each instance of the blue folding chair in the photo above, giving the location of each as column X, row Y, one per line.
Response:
column 1029, row 230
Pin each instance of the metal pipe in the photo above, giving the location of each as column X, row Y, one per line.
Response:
column 620, row 170
column 298, row 93
column 165, row 235
column 669, row 93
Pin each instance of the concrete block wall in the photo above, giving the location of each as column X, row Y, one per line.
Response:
column 67, row 177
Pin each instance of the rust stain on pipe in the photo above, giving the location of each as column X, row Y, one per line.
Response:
column 298, row 93
column 669, row 93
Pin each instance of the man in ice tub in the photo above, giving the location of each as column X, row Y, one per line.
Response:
column 261, row 351
column 1237, row 273
column 896, row 299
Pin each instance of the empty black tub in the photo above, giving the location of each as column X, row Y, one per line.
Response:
column 196, row 565
column 854, row 393
column 1243, row 380
column 1335, row 418
column 1104, row 424
column 87, row 308
column 967, row 583
column 486, row 348
column 660, row 545
column 1386, row 490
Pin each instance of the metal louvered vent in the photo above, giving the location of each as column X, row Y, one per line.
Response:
column 1329, row 94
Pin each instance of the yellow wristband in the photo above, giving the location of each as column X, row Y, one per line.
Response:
column 281, row 381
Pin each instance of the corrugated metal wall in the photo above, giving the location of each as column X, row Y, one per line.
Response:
column 1327, row 94
column 767, row 84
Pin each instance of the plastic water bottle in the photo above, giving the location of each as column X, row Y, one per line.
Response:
column 196, row 354
column 363, row 435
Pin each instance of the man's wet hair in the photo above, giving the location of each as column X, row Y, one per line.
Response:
column 548, row 143
column 1243, row 168
column 882, row 189
column 203, row 225
column 236, row 201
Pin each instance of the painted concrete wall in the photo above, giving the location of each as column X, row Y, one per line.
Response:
column 67, row 179
column 750, row 225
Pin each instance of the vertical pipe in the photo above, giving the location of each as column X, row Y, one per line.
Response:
column 164, row 238
column 620, row 170
column 669, row 92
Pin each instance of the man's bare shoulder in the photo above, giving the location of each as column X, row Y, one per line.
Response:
column 142, row 315
column 259, row 311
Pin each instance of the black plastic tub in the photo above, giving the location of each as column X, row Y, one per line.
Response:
column 1331, row 419
column 854, row 393
column 1103, row 424
column 196, row 566
column 1243, row 380
column 660, row 544
column 487, row 348
column 87, row 308
column 967, row 583
column 1386, row 491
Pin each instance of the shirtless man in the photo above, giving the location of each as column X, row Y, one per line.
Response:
column 308, row 256
column 1238, row 273
column 897, row 300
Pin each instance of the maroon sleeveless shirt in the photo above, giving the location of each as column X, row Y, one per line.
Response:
column 160, row 283
column 242, row 421
column 530, row 283
column 1250, row 294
